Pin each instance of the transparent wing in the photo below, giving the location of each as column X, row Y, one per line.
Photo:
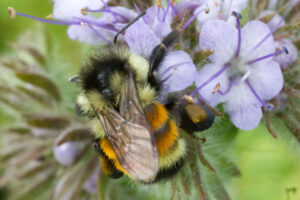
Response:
column 130, row 135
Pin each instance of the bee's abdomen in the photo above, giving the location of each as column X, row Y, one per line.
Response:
column 170, row 147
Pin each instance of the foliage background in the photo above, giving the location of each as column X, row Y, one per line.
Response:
column 270, row 168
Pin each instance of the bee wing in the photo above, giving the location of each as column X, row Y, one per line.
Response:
column 131, row 136
column 130, row 107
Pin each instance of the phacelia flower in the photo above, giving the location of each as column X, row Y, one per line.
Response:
column 88, row 28
column 68, row 9
column 141, row 37
column 191, row 5
column 67, row 152
column 281, row 41
column 242, row 73
column 219, row 9
column 146, row 33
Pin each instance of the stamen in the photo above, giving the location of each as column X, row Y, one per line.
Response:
column 171, row 67
column 284, row 49
column 174, row 8
column 268, row 35
column 216, row 88
column 227, row 90
column 84, row 11
column 244, row 77
column 100, row 35
column 192, row 19
column 49, row 16
column 238, row 16
column 188, row 99
column 206, row 10
column 12, row 12
column 137, row 8
column 105, row 4
column 266, row 106
column 115, row 14
column 64, row 23
column 168, row 7
column 95, row 23
column 214, row 76
column 165, row 79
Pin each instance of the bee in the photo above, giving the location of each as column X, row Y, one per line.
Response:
column 136, row 133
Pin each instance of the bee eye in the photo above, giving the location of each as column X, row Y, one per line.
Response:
column 102, row 81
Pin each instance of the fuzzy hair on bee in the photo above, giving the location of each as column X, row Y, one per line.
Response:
column 135, row 133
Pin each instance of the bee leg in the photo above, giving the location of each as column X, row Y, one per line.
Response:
column 107, row 165
column 159, row 51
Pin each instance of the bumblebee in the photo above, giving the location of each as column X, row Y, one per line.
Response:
column 137, row 134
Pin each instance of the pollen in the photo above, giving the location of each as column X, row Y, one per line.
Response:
column 217, row 88
column 157, row 115
column 207, row 10
column 84, row 11
column 49, row 16
column 12, row 12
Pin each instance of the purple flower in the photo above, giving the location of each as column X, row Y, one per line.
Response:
column 87, row 28
column 242, row 73
column 177, row 71
column 147, row 33
column 191, row 5
column 67, row 9
column 219, row 9
column 284, row 60
column 67, row 152
column 141, row 39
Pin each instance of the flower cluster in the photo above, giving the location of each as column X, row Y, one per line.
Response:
column 244, row 69
column 227, row 63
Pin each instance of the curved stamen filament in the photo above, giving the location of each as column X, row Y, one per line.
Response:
column 227, row 90
column 238, row 17
column 96, row 23
column 99, row 34
column 192, row 18
column 268, row 35
column 105, row 4
column 214, row 76
column 115, row 14
column 165, row 79
column 284, row 49
column 176, row 65
column 64, row 23
column 137, row 8
column 165, row 14
column 256, row 95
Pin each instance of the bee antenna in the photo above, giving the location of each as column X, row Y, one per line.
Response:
column 128, row 25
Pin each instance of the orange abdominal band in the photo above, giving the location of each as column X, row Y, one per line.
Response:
column 106, row 165
column 166, row 137
column 109, row 152
column 157, row 115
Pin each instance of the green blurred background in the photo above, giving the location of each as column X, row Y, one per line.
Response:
column 270, row 168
